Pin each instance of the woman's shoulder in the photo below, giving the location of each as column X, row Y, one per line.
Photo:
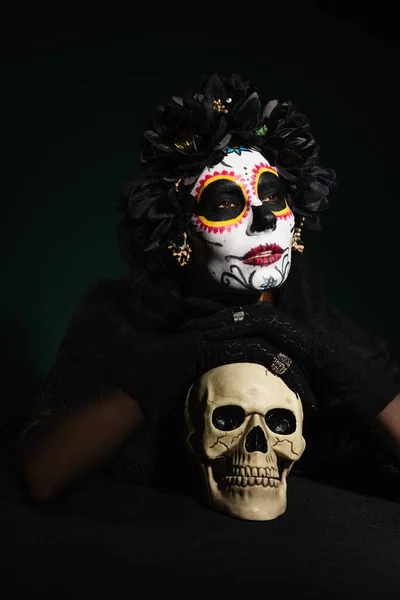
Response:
column 106, row 291
column 104, row 296
column 119, row 306
column 102, row 310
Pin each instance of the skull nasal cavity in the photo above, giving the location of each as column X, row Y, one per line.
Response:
column 256, row 440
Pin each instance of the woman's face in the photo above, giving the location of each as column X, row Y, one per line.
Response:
column 245, row 230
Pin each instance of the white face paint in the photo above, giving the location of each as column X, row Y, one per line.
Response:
column 246, row 227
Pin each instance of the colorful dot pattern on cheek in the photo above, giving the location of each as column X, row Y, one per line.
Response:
column 221, row 226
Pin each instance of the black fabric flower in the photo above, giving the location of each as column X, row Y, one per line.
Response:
column 296, row 155
column 157, row 211
column 309, row 194
column 194, row 130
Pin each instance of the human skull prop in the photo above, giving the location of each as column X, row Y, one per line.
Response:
column 244, row 425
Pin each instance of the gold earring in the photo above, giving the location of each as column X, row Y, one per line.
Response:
column 181, row 251
column 297, row 243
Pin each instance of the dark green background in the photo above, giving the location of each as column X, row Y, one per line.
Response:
column 74, row 102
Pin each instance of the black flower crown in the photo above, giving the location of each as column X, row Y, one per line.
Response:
column 193, row 131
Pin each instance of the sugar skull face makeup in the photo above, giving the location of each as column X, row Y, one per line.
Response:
column 245, row 225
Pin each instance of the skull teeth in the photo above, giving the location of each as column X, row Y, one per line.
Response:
column 245, row 481
column 255, row 472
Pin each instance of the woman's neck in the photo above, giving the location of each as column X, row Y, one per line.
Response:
column 270, row 296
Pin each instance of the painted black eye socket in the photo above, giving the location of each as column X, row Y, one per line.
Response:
column 222, row 200
column 229, row 417
column 281, row 420
column 271, row 190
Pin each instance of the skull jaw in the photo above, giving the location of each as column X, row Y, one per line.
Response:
column 255, row 503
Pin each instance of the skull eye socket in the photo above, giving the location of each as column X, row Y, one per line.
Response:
column 281, row 420
column 228, row 417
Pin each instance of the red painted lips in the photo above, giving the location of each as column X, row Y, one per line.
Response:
column 264, row 254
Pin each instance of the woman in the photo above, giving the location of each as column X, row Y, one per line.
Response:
column 211, row 234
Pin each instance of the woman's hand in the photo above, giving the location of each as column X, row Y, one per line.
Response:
column 178, row 359
column 337, row 369
column 259, row 319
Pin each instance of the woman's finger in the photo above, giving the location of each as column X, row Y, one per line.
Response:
column 233, row 331
column 218, row 319
column 230, row 316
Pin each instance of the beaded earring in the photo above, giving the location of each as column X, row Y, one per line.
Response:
column 181, row 251
column 297, row 243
